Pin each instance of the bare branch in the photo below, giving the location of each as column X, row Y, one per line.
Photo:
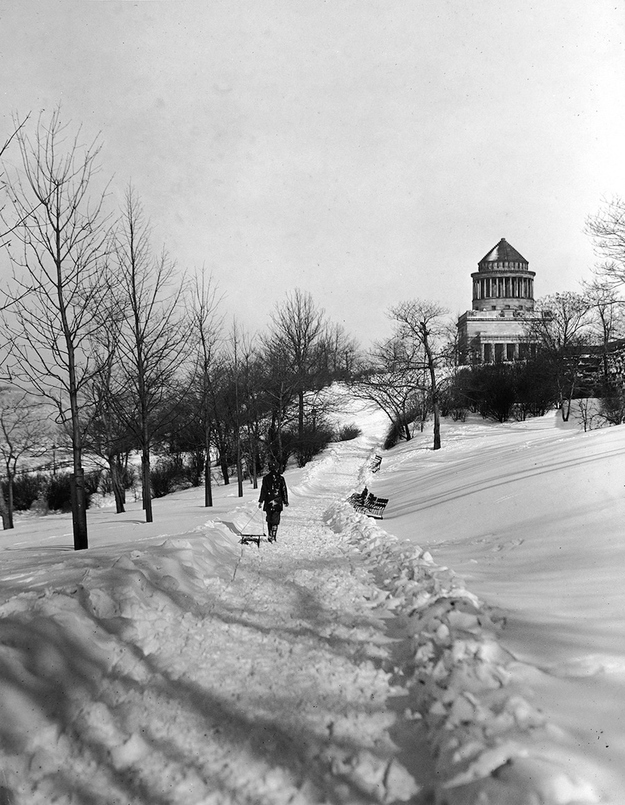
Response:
column 607, row 231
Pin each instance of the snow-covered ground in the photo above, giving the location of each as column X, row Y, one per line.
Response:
column 469, row 648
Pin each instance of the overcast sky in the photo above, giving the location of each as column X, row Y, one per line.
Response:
column 366, row 151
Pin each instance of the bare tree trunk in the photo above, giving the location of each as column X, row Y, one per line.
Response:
column 254, row 456
column 4, row 513
column 225, row 472
column 10, row 501
column 435, row 412
column 116, row 482
column 208, row 486
column 433, row 387
column 79, row 498
column 239, row 469
column 565, row 410
column 79, row 509
column 235, row 344
column 146, row 486
column 300, row 414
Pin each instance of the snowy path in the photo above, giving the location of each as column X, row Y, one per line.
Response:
column 267, row 687
column 304, row 693
column 277, row 688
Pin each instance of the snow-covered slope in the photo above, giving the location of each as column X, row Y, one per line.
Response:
column 530, row 518
column 467, row 649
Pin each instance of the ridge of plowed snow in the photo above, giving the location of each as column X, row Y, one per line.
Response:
column 489, row 744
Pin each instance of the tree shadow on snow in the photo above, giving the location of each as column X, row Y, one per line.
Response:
column 86, row 700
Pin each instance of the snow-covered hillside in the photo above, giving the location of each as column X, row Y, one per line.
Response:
column 467, row 649
column 530, row 515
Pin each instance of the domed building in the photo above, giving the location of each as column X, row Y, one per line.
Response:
column 503, row 300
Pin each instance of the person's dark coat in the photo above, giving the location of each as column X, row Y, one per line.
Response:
column 273, row 493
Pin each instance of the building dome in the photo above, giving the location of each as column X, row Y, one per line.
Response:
column 501, row 257
column 503, row 281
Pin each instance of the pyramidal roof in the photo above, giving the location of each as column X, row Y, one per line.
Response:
column 503, row 252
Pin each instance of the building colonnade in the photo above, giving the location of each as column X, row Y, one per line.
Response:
column 503, row 288
column 504, row 351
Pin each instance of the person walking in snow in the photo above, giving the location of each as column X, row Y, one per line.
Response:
column 273, row 497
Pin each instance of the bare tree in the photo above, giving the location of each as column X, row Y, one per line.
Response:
column 153, row 342
column 295, row 350
column 394, row 381
column 235, row 345
column 107, row 433
column 22, row 431
column 205, row 332
column 608, row 315
column 607, row 231
column 280, row 392
column 223, row 412
column 339, row 352
column 62, row 233
column 561, row 333
column 253, row 403
column 423, row 324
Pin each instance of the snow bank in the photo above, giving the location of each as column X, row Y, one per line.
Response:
column 61, row 647
column 490, row 745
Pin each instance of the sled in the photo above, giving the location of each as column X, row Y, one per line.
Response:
column 248, row 527
column 246, row 538
column 252, row 531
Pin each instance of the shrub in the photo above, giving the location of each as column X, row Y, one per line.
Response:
column 348, row 432
column 195, row 469
column 26, row 490
column 92, row 481
column 400, row 427
column 536, row 387
column 127, row 475
column 58, row 494
column 612, row 405
column 501, row 390
column 311, row 443
column 456, row 396
column 168, row 475
column 394, row 435
column 497, row 390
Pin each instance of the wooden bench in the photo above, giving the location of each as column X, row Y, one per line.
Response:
column 376, row 508
column 369, row 504
column 358, row 498
column 375, row 463
column 364, row 504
